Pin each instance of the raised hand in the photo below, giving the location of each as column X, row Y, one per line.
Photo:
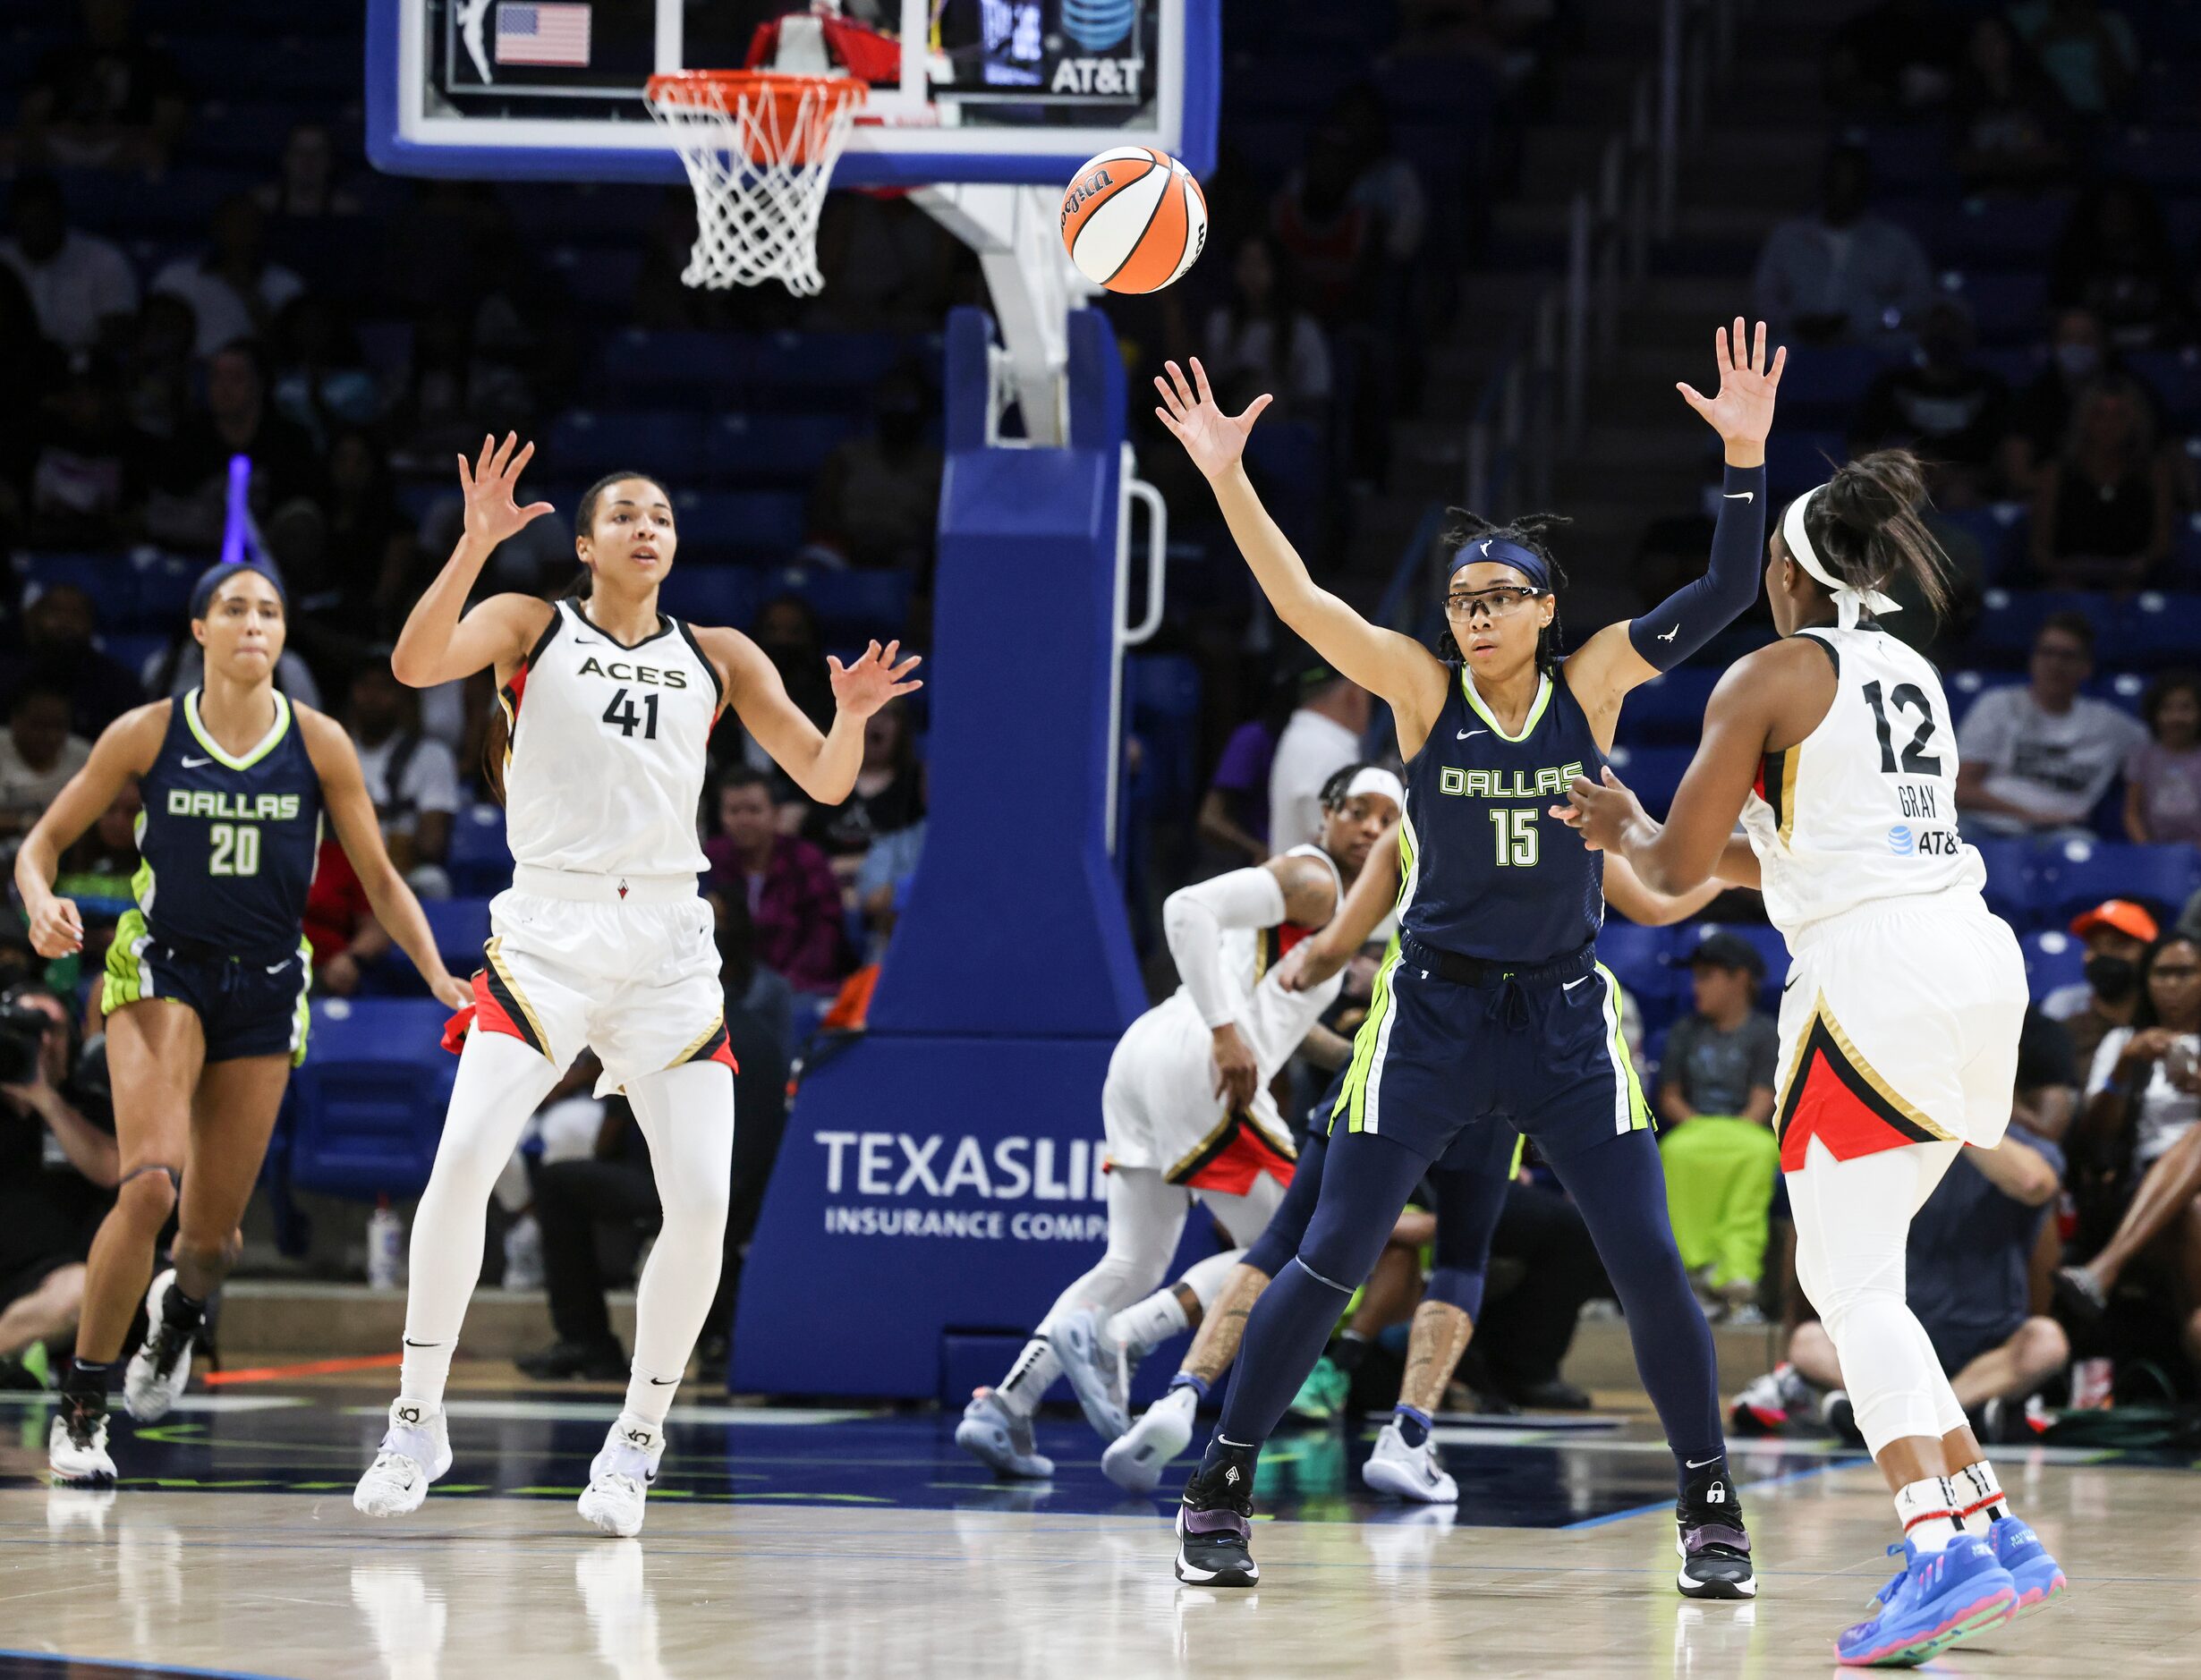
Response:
column 862, row 687
column 493, row 511
column 1214, row 439
column 1742, row 413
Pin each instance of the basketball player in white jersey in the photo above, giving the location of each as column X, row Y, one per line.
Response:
column 602, row 941
column 1898, row 1024
column 1188, row 1113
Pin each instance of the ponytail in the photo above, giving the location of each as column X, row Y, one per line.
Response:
column 1868, row 526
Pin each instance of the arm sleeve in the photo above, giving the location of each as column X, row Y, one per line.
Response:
column 1699, row 610
column 1194, row 917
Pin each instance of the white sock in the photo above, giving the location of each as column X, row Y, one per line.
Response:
column 1927, row 1511
column 650, row 1395
column 1149, row 1323
column 636, row 1433
column 426, row 1372
column 1030, row 1377
column 1979, row 1496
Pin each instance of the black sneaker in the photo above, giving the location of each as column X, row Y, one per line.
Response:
column 1714, row 1547
column 1215, row 1525
column 2080, row 1301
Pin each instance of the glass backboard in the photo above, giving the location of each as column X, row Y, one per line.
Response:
column 991, row 91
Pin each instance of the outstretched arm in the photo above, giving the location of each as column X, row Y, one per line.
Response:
column 1193, row 918
column 1621, row 657
column 823, row 765
column 436, row 644
column 1395, row 667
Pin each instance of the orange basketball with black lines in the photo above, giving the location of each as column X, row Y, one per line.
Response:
column 1133, row 219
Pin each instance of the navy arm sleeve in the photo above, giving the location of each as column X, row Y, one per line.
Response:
column 1699, row 610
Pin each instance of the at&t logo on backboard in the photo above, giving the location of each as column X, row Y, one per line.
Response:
column 1097, row 25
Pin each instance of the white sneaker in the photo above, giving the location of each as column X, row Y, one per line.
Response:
column 1001, row 1439
column 79, row 1458
column 1099, row 1368
column 524, row 1267
column 1136, row 1460
column 415, row 1451
column 154, row 1379
column 1411, row 1473
column 620, row 1477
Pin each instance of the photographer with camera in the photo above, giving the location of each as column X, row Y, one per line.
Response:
column 58, row 1164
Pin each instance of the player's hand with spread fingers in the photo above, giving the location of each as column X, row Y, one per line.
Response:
column 1607, row 815
column 493, row 510
column 56, row 928
column 1742, row 410
column 863, row 686
column 1214, row 439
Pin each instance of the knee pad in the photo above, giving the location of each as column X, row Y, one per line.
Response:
column 1456, row 1286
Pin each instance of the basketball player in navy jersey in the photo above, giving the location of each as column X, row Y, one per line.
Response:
column 205, row 989
column 1491, row 1006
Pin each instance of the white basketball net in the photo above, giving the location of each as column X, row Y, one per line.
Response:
column 759, row 151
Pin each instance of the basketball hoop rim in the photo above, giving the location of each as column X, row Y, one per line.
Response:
column 696, row 87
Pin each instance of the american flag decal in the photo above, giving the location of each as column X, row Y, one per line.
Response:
column 532, row 34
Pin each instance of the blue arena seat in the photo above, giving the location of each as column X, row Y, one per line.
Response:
column 1161, row 700
column 2155, row 629
column 772, row 448
column 2175, row 377
column 1999, row 530
column 370, row 1097
column 1668, row 710
column 1640, row 959
column 669, row 361
column 479, row 861
column 768, row 523
column 711, row 594
column 601, row 277
column 107, row 579
column 2012, row 873
column 1767, row 941
column 2008, row 620
column 1823, row 386
column 2054, row 958
column 164, row 587
column 1654, row 773
column 851, row 604
column 587, row 442
column 2075, row 874
column 2185, row 553
column 813, row 370
column 461, row 927
column 1798, row 460
column 2006, row 307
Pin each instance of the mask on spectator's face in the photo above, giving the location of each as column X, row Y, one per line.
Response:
column 2078, row 362
column 2112, row 979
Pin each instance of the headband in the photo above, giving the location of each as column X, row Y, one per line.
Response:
column 1850, row 599
column 211, row 580
column 1374, row 778
column 1511, row 554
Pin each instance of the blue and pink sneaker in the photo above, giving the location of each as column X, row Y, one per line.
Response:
column 2018, row 1550
column 1940, row 1598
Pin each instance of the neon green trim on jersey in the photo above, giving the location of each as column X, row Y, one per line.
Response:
column 1638, row 1110
column 276, row 731
column 1536, row 712
column 1353, row 1100
column 301, row 1021
column 125, row 979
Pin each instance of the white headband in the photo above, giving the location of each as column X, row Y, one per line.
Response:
column 1375, row 779
column 1849, row 600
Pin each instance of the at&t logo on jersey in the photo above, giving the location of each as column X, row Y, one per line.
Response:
column 198, row 802
column 1933, row 842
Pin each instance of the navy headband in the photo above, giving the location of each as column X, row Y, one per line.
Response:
column 1529, row 563
column 211, row 580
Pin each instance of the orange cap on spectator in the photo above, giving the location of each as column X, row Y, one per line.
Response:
column 2120, row 913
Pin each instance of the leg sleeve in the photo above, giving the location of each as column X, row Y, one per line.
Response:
column 687, row 1114
column 1146, row 1215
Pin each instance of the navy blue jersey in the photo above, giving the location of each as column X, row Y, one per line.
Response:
column 1487, row 872
column 228, row 844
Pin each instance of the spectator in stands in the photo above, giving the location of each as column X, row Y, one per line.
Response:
column 2080, row 352
column 57, row 653
column 82, row 286
column 110, row 100
column 888, row 794
column 877, row 497
column 1843, row 275
column 2144, row 1100
column 788, row 631
column 2009, row 121
column 322, row 380
column 84, row 484
column 189, row 472
column 58, row 1163
column 2163, row 777
column 340, row 924
column 411, row 777
column 1715, row 1098
column 306, row 188
column 2102, row 510
column 232, row 287
column 2117, row 933
column 97, row 871
column 2114, row 258
column 1899, row 55
column 1261, row 341
column 1322, row 737
column 37, row 756
column 1234, row 813
column 784, row 880
column 158, row 371
column 1970, row 1257
column 1951, row 412
column 371, row 549
column 2036, row 758
column 2088, row 50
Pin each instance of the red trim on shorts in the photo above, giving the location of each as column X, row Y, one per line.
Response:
column 494, row 1013
column 1831, row 1101
column 1236, row 1160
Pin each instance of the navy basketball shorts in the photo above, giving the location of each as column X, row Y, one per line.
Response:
column 1444, row 1067
column 246, row 1005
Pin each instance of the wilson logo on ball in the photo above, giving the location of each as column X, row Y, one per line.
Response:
column 1133, row 219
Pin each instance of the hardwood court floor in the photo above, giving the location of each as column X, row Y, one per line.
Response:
column 857, row 1545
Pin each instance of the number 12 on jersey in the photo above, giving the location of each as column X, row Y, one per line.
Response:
column 1517, row 838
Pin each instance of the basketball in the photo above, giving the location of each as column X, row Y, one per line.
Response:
column 1133, row 219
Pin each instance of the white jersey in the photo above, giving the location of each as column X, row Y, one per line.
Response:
column 604, row 770
column 1863, row 809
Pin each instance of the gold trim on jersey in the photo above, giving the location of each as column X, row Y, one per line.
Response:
column 1821, row 1016
column 494, row 952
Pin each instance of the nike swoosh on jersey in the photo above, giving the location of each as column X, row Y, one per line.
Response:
column 1571, row 984
column 1469, row 734
column 1740, row 495
column 193, row 764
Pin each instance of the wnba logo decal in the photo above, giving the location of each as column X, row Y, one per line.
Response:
column 1096, row 25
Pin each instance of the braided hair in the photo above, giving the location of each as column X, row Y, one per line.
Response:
column 1534, row 532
